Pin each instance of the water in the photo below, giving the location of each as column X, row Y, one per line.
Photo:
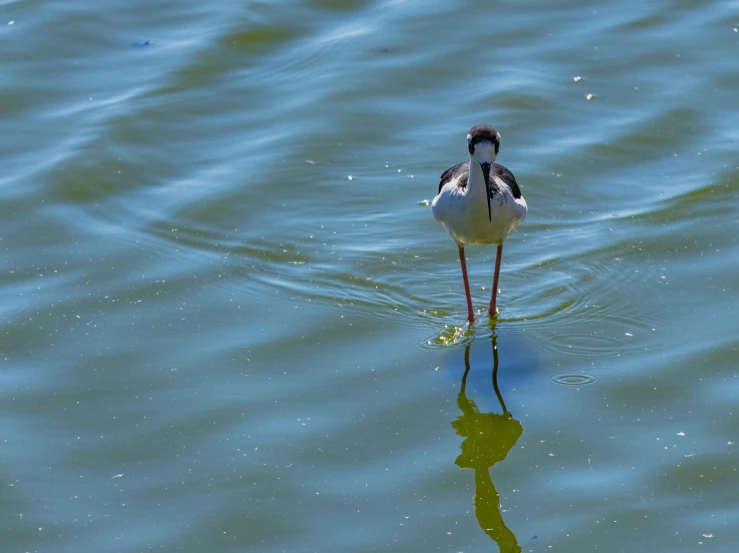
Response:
column 213, row 339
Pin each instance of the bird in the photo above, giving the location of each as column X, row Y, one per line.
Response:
column 479, row 202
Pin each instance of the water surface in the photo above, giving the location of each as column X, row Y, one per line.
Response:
column 230, row 323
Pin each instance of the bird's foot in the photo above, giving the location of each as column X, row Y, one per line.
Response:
column 470, row 319
column 493, row 312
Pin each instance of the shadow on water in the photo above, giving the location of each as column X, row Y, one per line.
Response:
column 488, row 439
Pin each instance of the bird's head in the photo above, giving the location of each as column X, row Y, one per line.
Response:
column 483, row 143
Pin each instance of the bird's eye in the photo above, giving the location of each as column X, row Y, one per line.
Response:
column 471, row 148
column 497, row 147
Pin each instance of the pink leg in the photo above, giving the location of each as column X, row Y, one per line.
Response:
column 470, row 313
column 492, row 309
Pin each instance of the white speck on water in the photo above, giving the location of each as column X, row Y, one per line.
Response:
column 589, row 96
column 13, row 23
column 310, row 162
column 424, row 202
column 628, row 333
column 118, row 476
column 681, row 433
column 350, row 177
column 707, row 535
column 577, row 79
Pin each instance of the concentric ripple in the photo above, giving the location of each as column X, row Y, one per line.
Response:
column 574, row 379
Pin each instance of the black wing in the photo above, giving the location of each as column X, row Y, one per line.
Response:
column 460, row 169
column 506, row 176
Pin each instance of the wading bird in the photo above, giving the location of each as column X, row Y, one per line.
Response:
column 479, row 202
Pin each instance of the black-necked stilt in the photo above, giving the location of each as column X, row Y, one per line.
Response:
column 470, row 191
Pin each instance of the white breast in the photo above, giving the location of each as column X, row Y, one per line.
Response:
column 465, row 215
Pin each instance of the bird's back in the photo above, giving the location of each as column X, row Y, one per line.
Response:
column 458, row 171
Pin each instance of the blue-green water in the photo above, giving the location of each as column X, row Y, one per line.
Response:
column 213, row 339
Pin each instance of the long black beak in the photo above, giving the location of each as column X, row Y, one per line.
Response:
column 486, row 173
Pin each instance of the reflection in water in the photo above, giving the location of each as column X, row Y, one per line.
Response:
column 488, row 439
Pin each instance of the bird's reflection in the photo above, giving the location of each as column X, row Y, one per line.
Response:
column 488, row 439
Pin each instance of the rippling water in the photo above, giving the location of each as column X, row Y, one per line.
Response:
column 230, row 322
